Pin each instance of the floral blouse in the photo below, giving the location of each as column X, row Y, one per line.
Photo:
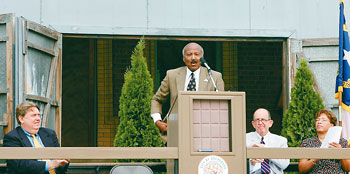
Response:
column 331, row 166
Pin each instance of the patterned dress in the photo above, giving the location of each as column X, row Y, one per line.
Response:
column 325, row 166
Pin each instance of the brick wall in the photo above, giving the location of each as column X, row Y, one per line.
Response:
column 230, row 65
column 106, row 123
column 75, row 93
column 150, row 56
column 260, row 76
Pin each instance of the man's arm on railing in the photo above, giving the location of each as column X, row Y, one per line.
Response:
column 18, row 165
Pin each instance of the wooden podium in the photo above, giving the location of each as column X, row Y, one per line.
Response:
column 209, row 130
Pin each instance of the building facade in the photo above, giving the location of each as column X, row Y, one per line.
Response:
column 256, row 44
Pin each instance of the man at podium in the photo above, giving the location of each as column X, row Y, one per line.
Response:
column 191, row 77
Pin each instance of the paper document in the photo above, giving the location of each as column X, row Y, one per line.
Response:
column 333, row 135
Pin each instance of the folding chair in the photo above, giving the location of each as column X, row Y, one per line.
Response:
column 131, row 169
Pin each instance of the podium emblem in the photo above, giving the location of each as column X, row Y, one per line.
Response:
column 212, row 164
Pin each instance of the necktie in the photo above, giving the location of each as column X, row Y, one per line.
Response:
column 37, row 144
column 265, row 167
column 192, row 84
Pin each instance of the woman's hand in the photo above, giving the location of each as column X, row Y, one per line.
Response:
column 334, row 145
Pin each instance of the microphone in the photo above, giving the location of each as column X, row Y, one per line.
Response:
column 204, row 62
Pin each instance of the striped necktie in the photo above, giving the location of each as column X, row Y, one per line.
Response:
column 265, row 167
column 192, row 83
column 37, row 144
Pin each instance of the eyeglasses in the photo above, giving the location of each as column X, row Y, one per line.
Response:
column 322, row 119
column 262, row 120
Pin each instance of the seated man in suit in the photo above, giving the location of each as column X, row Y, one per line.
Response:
column 30, row 134
column 191, row 77
column 263, row 138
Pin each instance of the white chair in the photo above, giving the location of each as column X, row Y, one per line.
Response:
column 131, row 169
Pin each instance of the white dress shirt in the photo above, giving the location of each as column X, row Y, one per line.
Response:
column 157, row 116
column 188, row 78
column 271, row 140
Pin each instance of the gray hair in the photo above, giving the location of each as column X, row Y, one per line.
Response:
column 183, row 50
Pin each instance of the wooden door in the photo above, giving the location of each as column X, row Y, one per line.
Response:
column 32, row 69
column 6, row 76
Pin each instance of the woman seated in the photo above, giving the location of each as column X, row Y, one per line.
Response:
column 324, row 120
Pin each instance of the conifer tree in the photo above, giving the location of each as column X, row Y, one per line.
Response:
column 136, row 128
column 299, row 121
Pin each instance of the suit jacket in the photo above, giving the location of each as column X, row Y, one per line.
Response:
column 17, row 138
column 271, row 140
column 174, row 81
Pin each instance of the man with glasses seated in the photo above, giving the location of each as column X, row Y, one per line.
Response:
column 263, row 138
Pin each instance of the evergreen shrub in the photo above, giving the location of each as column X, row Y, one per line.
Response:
column 136, row 127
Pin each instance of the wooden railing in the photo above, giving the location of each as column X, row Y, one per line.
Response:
column 161, row 153
column 299, row 153
column 86, row 153
column 89, row 153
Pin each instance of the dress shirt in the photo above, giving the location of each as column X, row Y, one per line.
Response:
column 188, row 78
column 157, row 116
column 271, row 140
column 30, row 138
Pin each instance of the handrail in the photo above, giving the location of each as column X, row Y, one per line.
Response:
column 161, row 153
column 298, row 153
column 89, row 153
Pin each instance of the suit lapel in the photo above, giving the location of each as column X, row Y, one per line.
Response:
column 23, row 137
column 44, row 138
column 180, row 79
column 203, row 79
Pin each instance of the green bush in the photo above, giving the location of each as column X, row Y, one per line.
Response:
column 299, row 121
column 136, row 128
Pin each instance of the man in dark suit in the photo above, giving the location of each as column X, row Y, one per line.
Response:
column 30, row 134
column 180, row 79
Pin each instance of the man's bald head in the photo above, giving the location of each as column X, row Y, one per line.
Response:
column 192, row 53
column 262, row 121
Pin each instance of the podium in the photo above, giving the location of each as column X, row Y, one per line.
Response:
column 209, row 130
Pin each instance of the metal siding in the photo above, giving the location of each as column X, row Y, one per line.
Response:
column 278, row 15
column 165, row 14
column 324, row 64
column 321, row 53
column 40, row 40
column 104, row 13
column 3, row 69
column 325, row 73
column 18, row 69
column 3, row 84
column 319, row 19
column 232, row 14
column 6, row 26
column 2, row 30
column 29, row 9
column 216, row 14
column 265, row 18
column 52, row 118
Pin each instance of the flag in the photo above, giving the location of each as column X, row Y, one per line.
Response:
column 343, row 75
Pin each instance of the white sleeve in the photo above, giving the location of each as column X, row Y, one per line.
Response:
column 282, row 163
column 156, row 117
